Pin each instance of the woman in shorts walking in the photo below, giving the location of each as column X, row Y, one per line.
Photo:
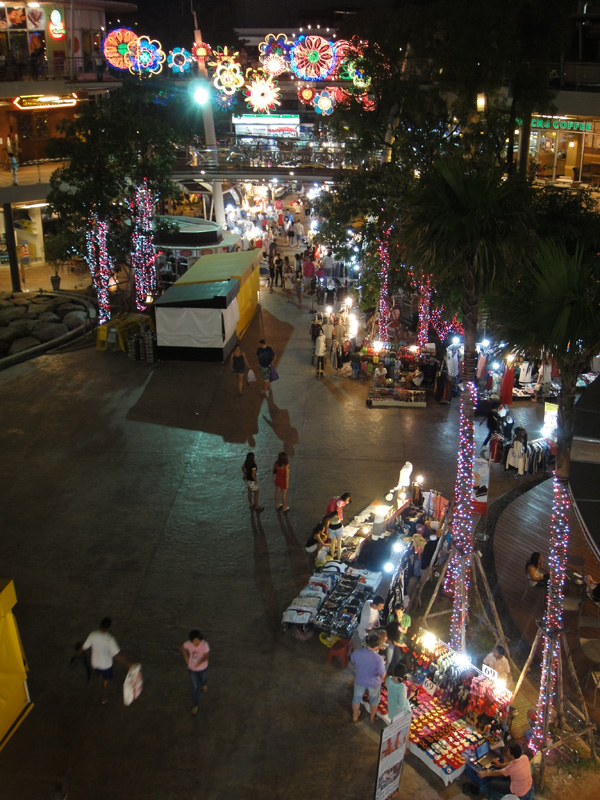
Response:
column 251, row 481
column 239, row 365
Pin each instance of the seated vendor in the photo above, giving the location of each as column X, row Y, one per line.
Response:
column 414, row 379
column 380, row 375
column 515, row 777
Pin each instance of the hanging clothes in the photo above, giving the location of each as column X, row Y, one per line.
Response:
column 507, row 387
column 525, row 376
column 481, row 366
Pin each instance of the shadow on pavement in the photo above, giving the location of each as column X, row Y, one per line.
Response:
column 203, row 397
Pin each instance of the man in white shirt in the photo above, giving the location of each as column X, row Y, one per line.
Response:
column 327, row 264
column 299, row 231
column 369, row 618
column 104, row 648
column 497, row 660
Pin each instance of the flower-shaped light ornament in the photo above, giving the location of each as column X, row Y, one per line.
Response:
column 262, row 94
column 179, row 60
column 228, row 78
column 274, row 53
column 306, row 95
column 225, row 101
column 146, row 55
column 116, row 47
column 324, row 103
column 312, row 58
column 221, row 56
column 201, row 51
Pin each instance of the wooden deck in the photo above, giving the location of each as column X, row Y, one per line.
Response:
column 522, row 528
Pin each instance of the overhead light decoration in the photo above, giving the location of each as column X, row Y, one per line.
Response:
column 116, row 47
column 179, row 60
column 262, row 94
column 312, row 58
column 222, row 55
column 324, row 103
column 306, row 95
column 228, row 77
column 274, row 53
column 201, row 51
column 225, row 101
column 146, row 56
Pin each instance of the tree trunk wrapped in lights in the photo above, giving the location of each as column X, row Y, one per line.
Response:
column 99, row 262
column 142, row 253
column 383, row 254
column 424, row 288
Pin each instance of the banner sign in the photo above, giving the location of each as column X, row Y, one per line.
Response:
column 394, row 739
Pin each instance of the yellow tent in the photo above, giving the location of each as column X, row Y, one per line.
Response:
column 15, row 702
column 243, row 266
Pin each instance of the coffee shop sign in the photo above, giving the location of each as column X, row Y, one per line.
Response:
column 559, row 124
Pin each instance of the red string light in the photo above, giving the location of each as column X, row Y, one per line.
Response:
column 99, row 262
column 142, row 254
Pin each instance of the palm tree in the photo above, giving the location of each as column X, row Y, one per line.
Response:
column 555, row 307
column 464, row 225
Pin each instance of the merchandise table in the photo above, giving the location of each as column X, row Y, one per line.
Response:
column 396, row 397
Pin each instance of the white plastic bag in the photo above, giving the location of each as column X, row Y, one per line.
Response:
column 133, row 685
column 251, row 376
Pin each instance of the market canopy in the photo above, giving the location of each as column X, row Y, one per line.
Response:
column 220, row 267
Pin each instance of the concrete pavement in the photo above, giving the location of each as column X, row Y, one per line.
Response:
column 122, row 495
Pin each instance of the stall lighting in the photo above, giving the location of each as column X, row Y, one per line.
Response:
column 486, row 343
column 510, row 358
column 388, row 567
column 455, row 340
column 365, row 529
column 389, row 496
column 349, row 301
column 402, row 495
column 329, row 309
column 377, row 346
column 413, row 348
column 495, row 365
column 420, row 479
column 397, row 547
column 500, row 683
column 381, row 511
column 429, row 641
column 462, row 660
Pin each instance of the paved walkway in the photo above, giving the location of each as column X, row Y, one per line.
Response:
column 122, row 495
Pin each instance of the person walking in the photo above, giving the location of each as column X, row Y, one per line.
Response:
column 299, row 232
column 278, row 270
column 104, row 649
column 288, row 282
column 14, row 168
column 281, row 479
column 195, row 652
column 320, row 353
column 249, row 469
column 308, row 270
column 266, row 360
column 239, row 365
column 370, row 671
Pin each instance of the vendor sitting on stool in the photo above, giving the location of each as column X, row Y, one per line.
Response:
column 380, row 375
column 515, row 777
column 414, row 379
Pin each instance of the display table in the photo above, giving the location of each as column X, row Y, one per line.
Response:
column 396, row 397
column 340, row 612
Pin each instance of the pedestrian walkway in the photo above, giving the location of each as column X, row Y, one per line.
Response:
column 122, row 495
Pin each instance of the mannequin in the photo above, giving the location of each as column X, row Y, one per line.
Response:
column 405, row 473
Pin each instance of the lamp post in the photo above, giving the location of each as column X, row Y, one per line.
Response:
column 209, row 130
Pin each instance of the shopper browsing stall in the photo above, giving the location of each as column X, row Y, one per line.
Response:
column 397, row 696
column 369, row 618
column 403, row 619
column 335, row 530
column 370, row 671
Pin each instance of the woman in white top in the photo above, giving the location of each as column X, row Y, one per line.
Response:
column 535, row 574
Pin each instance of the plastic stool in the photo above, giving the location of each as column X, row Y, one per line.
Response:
column 341, row 649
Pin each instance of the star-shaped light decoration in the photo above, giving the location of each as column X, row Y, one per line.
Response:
column 262, row 93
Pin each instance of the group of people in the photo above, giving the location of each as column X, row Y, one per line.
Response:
column 326, row 536
column 281, row 481
column 240, row 367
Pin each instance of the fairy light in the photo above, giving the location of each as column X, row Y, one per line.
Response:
column 443, row 328
column 142, row 251
column 424, row 287
column 458, row 576
column 383, row 254
column 99, row 263
column 553, row 616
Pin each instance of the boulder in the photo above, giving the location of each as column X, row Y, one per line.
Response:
column 64, row 308
column 8, row 314
column 74, row 319
column 46, row 331
column 8, row 334
column 22, row 344
column 48, row 316
column 23, row 326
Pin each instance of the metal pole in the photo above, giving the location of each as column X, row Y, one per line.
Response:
column 11, row 247
column 211, row 139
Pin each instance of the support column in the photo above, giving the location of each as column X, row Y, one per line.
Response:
column 11, row 246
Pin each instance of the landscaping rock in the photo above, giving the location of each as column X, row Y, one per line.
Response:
column 45, row 331
column 22, row 344
column 23, row 326
column 74, row 319
column 48, row 316
column 9, row 314
column 8, row 334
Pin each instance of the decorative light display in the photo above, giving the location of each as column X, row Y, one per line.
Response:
column 306, row 95
column 262, row 94
column 458, row 576
column 99, row 262
column 443, row 328
column 553, row 616
column 312, row 58
column 146, row 56
column 366, row 102
column 274, row 53
column 179, row 60
column 201, row 51
column 116, row 47
column 383, row 253
column 324, row 103
column 424, row 287
column 228, row 77
column 225, row 101
column 222, row 55
column 142, row 252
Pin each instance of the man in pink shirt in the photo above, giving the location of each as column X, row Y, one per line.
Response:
column 308, row 270
column 195, row 653
column 516, row 777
